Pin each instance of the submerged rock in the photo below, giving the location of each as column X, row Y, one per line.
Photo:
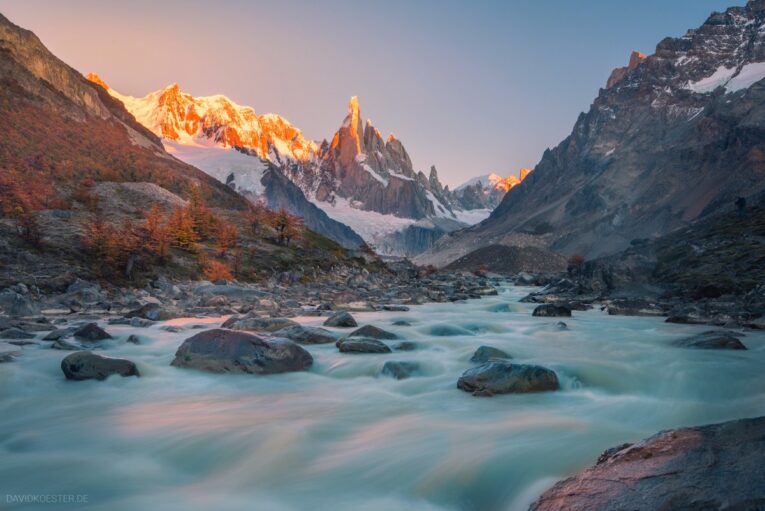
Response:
column 501, row 377
column 405, row 346
column 229, row 351
column 373, row 332
column 712, row 340
column 552, row 310
column 341, row 319
column 306, row 334
column 91, row 332
column 154, row 312
column 85, row 365
column 401, row 322
column 400, row 370
column 256, row 324
column 701, row 468
column 61, row 344
column 16, row 333
column 485, row 353
column 395, row 308
column 362, row 345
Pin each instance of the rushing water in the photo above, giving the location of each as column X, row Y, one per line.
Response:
column 344, row 437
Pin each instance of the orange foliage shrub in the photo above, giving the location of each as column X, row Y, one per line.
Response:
column 227, row 237
column 216, row 270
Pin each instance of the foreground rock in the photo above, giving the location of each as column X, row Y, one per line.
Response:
column 712, row 340
column 373, row 332
column 552, row 310
column 306, row 334
column 85, row 365
column 501, row 377
column 16, row 333
column 362, row 345
column 256, row 324
column 400, row 370
column 229, row 351
column 486, row 353
column 705, row 468
column 341, row 319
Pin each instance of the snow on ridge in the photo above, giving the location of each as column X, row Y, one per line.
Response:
column 220, row 163
column 748, row 76
column 719, row 78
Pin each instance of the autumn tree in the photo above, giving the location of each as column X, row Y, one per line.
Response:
column 157, row 233
column 114, row 250
column 181, row 229
column 203, row 219
column 287, row 226
column 257, row 217
column 227, row 237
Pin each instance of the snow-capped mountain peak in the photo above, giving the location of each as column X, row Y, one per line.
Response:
column 178, row 116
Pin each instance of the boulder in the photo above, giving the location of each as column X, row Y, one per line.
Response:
column 700, row 468
column 84, row 365
column 634, row 307
column 400, row 370
column 16, row 333
column 712, row 340
column 17, row 305
column 257, row 324
column 501, row 377
column 362, row 345
column 552, row 310
column 373, row 332
column 405, row 346
column 306, row 334
column 486, row 353
column 61, row 344
column 230, row 351
column 59, row 333
column 341, row 319
column 154, row 312
column 91, row 332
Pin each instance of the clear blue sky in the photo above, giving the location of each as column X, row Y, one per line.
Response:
column 471, row 87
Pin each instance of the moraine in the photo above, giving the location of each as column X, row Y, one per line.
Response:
column 344, row 436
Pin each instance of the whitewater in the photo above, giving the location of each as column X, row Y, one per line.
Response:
column 342, row 436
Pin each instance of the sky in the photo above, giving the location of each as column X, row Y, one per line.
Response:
column 471, row 87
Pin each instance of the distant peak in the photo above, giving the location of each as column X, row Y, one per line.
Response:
column 617, row 74
column 391, row 138
column 353, row 105
column 173, row 88
column 93, row 77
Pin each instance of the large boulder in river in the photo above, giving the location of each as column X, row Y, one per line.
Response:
column 257, row 324
column 502, row 377
column 341, row 319
column 712, row 340
column 229, row 351
column 486, row 353
column 701, row 468
column 361, row 345
column 91, row 332
column 306, row 334
column 552, row 310
column 84, row 365
column 372, row 332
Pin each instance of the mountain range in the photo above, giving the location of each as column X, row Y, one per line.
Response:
column 673, row 137
column 357, row 179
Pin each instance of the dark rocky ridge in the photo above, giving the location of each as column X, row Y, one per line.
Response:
column 650, row 156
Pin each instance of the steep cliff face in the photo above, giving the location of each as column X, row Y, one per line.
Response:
column 59, row 129
column 677, row 135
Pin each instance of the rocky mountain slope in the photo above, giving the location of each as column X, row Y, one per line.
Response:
column 677, row 135
column 78, row 175
column 357, row 178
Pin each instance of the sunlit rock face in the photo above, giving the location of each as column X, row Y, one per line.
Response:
column 677, row 136
column 175, row 115
column 487, row 191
